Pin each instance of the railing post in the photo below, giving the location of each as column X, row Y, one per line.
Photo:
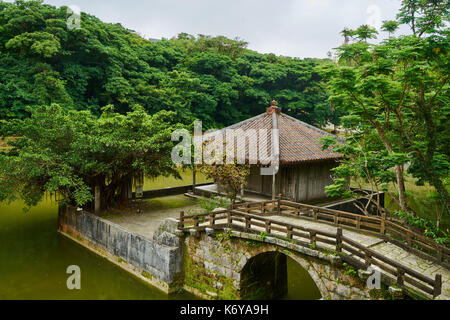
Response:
column 229, row 218
column 181, row 223
column 247, row 223
column 367, row 259
column 336, row 219
column 383, row 223
column 400, row 276
column 279, row 204
column 212, row 219
column 312, row 238
column 196, row 222
column 289, row 232
column 315, row 214
column 263, row 208
column 439, row 253
column 409, row 238
column 267, row 226
column 358, row 222
column 437, row 285
column 339, row 240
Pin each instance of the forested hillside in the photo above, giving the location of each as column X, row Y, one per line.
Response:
column 213, row 79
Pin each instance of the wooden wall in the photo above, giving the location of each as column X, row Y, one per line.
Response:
column 301, row 183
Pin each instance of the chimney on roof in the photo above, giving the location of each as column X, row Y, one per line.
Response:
column 273, row 107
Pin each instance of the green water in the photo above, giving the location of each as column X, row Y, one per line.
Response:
column 34, row 258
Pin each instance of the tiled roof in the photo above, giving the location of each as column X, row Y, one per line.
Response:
column 298, row 141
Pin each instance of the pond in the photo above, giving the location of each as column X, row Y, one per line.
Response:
column 34, row 258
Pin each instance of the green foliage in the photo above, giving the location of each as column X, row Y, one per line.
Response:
column 390, row 26
column 214, row 79
column 263, row 236
column 209, row 204
column 350, row 270
column 428, row 228
column 70, row 152
column 395, row 95
column 232, row 177
column 224, row 237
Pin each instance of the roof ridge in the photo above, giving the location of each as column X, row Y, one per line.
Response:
column 243, row 122
column 308, row 125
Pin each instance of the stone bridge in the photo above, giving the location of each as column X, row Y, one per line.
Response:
column 235, row 265
column 336, row 248
column 242, row 252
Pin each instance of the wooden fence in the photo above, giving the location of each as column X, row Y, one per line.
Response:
column 382, row 227
column 240, row 218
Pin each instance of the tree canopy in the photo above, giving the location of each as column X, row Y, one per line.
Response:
column 396, row 97
column 69, row 153
column 213, row 79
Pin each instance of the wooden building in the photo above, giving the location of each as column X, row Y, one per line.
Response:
column 304, row 169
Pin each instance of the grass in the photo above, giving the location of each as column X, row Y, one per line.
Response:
column 170, row 182
column 171, row 202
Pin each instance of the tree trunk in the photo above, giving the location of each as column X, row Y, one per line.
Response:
column 97, row 196
column 401, row 189
column 398, row 172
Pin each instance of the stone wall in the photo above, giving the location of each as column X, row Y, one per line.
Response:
column 158, row 260
column 215, row 267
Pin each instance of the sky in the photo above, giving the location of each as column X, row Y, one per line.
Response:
column 297, row 28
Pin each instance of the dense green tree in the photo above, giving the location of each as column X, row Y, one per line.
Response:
column 70, row 152
column 398, row 92
column 390, row 26
column 214, row 79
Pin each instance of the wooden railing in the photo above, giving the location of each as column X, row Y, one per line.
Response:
column 380, row 226
column 314, row 239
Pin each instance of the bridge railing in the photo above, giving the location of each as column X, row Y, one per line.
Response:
column 313, row 239
column 380, row 226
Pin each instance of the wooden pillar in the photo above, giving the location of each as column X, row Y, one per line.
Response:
column 274, row 191
column 97, row 197
column 181, row 223
column 279, row 204
column 437, row 285
column 194, row 178
column 383, row 223
column 339, row 240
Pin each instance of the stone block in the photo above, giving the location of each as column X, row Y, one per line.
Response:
column 168, row 239
column 194, row 233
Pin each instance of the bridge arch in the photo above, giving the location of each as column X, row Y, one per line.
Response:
column 221, row 266
column 265, row 275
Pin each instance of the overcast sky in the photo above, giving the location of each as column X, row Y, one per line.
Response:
column 298, row 28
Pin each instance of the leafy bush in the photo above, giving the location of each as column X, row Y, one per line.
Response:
column 209, row 204
column 428, row 228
